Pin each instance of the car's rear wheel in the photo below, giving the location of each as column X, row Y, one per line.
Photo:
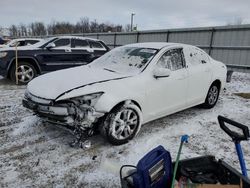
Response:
column 122, row 124
column 212, row 96
column 25, row 72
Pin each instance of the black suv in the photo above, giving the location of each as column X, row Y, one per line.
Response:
column 49, row 55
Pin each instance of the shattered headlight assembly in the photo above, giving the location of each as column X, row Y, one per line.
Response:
column 90, row 99
column 3, row 54
column 83, row 108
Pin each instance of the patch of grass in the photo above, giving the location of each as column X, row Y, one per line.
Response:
column 243, row 95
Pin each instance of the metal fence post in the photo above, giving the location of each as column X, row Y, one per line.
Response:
column 115, row 40
column 16, row 65
column 211, row 41
column 167, row 38
column 137, row 37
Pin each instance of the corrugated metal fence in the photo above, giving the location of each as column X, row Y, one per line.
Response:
column 229, row 44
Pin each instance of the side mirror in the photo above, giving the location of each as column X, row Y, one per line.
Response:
column 50, row 45
column 161, row 72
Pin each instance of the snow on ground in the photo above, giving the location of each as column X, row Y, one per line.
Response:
column 33, row 153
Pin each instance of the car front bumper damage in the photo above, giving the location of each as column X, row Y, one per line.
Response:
column 78, row 117
column 64, row 114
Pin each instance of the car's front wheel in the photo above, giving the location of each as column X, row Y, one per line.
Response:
column 25, row 73
column 212, row 96
column 122, row 123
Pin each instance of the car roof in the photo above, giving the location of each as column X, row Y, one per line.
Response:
column 22, row 39
column 77, row 37
column 154, row 45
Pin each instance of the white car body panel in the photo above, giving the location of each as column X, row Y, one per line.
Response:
column 156, row 97
column 79, row 76
column 199, row 76
column 168, row 98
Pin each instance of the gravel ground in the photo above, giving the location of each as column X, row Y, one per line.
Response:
column 36, row 154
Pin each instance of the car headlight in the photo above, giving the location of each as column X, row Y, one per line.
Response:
column 89, row 99
column 3, row 54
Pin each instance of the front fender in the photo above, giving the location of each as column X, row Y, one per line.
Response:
column 107, row 102
column 30, row 59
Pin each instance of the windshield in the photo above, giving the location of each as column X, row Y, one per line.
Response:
column 44, row 41
column 11, row 43
column 125, row 59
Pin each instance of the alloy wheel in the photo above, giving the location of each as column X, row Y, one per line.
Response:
column 124, row 124
column 213, row 95
column 25, row 73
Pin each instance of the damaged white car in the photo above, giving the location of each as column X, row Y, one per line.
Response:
column 127, row 87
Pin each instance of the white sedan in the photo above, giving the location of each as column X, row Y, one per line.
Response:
column 127, row 87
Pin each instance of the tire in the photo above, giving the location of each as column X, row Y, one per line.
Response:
column 26, row 72
column 122, row 124
column 212, row 96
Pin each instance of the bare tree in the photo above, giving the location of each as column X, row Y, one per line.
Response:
column 127, row 28
column 1, row 31
column 23, row 29
column 13, row 30
column 60, row 28
column 94, row 26
column 51, row 28
column 102, row 28
column 84, row 25
column 38, row 29
column 118, row 28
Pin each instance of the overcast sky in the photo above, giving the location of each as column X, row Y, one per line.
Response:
column 150, row 14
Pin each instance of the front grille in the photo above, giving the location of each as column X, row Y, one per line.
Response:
column 36, row 99
column 44, row 107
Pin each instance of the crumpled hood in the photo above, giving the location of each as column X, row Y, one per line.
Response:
column 51, row 85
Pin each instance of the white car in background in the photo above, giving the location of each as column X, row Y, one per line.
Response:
column 127, row 87
column 21, row 42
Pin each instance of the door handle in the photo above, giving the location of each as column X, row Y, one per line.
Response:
column 67, row 50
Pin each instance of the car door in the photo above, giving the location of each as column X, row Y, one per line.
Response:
column 98, row 48
column 58, row 57
column 168, row 94
column 81, row 51
column 199, row 75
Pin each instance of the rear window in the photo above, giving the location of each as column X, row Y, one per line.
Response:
column 78, row 43
column 198, row 56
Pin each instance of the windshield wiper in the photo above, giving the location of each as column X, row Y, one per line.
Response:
column 109, row 70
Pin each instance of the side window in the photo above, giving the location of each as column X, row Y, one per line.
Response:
column 95, row 44
column 204, row 58
column 21, row 43
column 62, row 42
column 198, row 57
column 78, row 43
column 172, row 59
column 30, row 42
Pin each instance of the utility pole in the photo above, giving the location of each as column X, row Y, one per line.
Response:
column 132, row 19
